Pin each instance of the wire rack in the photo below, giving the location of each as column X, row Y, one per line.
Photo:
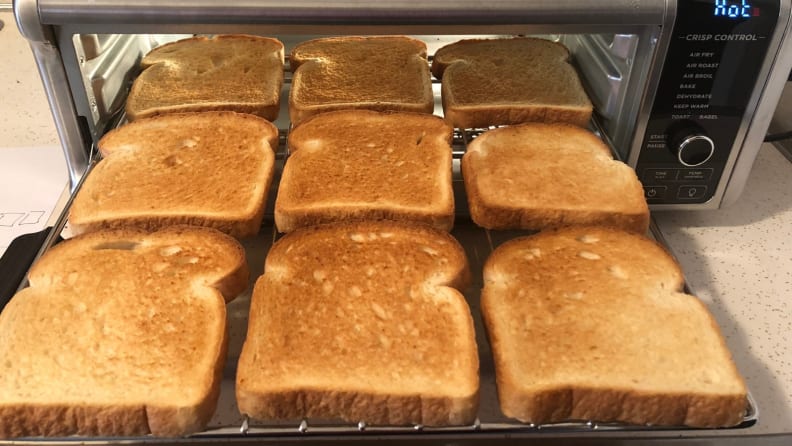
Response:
column 478, row 243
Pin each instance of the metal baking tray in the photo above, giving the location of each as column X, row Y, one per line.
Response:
column 227, row 423
column 478, row 244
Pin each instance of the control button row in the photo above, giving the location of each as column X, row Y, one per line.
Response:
column 663, row 175
column 683, row 193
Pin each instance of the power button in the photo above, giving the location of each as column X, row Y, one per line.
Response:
column 654, row 192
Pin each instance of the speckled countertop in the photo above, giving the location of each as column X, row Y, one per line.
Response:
column 25, row 119
column 738, row 260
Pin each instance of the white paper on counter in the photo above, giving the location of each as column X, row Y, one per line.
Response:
column 31, row 182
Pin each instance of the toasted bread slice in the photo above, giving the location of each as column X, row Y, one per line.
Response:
column 357, row 165
column 119, row 333
column 209, row 169
column 384, row 73
column 509, row 81
column 237, row 73
column 590, row 323
column 362, row 322
column 536, row 176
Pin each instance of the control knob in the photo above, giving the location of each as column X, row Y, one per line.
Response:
column 691, row 146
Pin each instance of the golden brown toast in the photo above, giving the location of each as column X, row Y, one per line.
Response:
column 509, row 81
column 119, row 333
column 383, row 73
column 239, row 73
column 207, row 169
column 358, row 165
column 591, row 323
column 536, row 176
column 362, row 322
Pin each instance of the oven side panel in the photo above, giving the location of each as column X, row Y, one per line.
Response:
column 50, row 63
column 776, row 71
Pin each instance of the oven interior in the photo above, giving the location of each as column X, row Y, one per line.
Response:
column 614, row 68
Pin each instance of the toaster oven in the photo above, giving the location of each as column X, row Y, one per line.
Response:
column 683, row 91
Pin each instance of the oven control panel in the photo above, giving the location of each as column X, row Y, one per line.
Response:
column 713, row 61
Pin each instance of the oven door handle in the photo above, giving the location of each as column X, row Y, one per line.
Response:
column 16, row 261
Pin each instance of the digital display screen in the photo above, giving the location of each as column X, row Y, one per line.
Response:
column 735, row 9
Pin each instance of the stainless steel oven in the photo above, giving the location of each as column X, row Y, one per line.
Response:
column 683, row 91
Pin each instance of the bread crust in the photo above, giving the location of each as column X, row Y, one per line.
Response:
column 293, row 219
column 209, row 264
column 367, row 373
column 484, row 116
column 166, row 171
column 233, row 227
column 537, row 176
column 218, row 78
column 355, row 406
column 491, row 82
column 577, row 375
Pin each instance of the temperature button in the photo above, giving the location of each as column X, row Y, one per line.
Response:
column 695, row 174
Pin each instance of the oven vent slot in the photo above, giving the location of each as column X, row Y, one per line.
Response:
column 604, row 62
column 108, row 64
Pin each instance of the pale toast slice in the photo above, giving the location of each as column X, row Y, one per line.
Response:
column 240, row 73
column 491, row 82
column 591, row 324
column 355, row 165
column 382, row 73
column 536, row 176
column 120, row 333
column 361, row 322
column 207, row 169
